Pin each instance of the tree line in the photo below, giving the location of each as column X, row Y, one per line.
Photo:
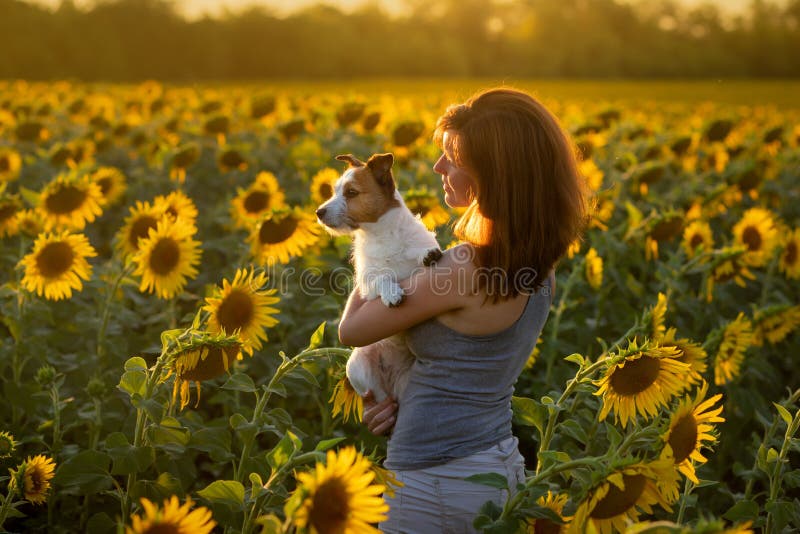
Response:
column 129, row 40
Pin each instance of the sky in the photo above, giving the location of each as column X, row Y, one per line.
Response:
column 197, row 8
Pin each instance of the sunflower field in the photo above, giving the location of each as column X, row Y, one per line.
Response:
column 169, row 307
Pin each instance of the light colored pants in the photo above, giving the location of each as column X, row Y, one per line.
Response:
column 437, row 500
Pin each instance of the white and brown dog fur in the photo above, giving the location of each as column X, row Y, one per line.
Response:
column 389, row 243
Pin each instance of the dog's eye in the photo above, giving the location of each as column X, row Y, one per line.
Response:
column 350, row 193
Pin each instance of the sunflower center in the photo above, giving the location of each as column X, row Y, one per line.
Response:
column 752, row 238
column 421, row 210
column 217, row 361
column 696, row 240
column 275, row 232
column 37, row 481
column 105, row 185
column 55, row 259
column 66, row 199
column 683, row 437
column 140, row 228
column 330, row 508
column 545, row 526
column 636, row 376
column 617, row 501
column 162, row 528
column 789, row 258
column 5, row 164
column 165, row 256
column 256, row 202
column 7, row 211
column 235, row 311
column 325, row 191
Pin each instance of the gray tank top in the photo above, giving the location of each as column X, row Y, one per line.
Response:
column 458, row 398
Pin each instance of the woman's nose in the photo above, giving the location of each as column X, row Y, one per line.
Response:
column 439, row 165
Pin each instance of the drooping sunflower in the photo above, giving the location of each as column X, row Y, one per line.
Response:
column 790, row 256
column 166, row 258
column 282, row 234
column 386, row 478
column 243, row 306
column 178, row 205
column 57, row 264
column 702, row 526
column 775, row 323
column 346, row 401
column 10, row 164
column 641, row 382
column 112, row 183
column 70, row 201
column 142, row 217
column 736, row 339
column 322, row 185
column 657, row 318
column 758, row 233
column 594, row 269
column 690, row 429
column 426, row 204
column 33, row 477
column 7, row 445
column 697, row 233
column 692, row 354
column 251, row 204
column 339, row 496
column 201, row 358
column 555, row 502
column 171, row 518
column 10, row 206
column 618, row 499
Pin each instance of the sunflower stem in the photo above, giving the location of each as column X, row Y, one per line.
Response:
column 688, row 486
column 55, row 399
column 18, row 363
column 6, row 505
column 773, row 265
column 777, row 471
column 562, row 306
column 101, row 333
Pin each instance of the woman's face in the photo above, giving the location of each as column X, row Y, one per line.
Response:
column 459, row 184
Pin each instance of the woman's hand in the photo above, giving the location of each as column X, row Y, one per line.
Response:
column 379, row 416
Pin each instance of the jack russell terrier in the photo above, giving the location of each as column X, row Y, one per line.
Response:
column 389, row 243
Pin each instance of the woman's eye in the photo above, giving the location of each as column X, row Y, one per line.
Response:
column 350, row 193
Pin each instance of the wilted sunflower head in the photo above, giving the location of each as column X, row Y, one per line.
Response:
column 338, row 496
column 70, row 201
column 32, row 478
column 171, row 518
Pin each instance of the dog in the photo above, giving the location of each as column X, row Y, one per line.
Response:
column 389, row 243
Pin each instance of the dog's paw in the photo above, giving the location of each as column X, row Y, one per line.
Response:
column 392, row 295
column 432, row 256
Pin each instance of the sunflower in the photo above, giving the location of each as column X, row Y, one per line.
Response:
column 594, row 269
column 57, row 264
column 251, row 204
column 593, row 175
column 231, row 158
column 33, row 476
column 202, row 359
column 183, row 157
column 29, row 222
column 10, row 207
column 664, row 228
column 790, row 259
column 386, row 478
column 689, row 428
column 574, row 248
column 426, row 204
column 339, row 496
column 282, row 234
column 758, row 232
column 617, row 499
column 70, row 201
column 602, row 212
column 112, row 183
column 692, row 354
column 346, row 401
column 775, row 323
column 7, row 445
column 243, row 306
column 177, row 205
column 142, row 217
column 730, row 266
column 736, row 339
column 697, row 234
column 166, row 258
column 702, row 526
column 555, row 502
column 171, row 518
column 657, row 317
column 641, row 382
column 322, row 185
column 10, row 165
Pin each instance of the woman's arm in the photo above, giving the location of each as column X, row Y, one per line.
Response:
column 429, row 292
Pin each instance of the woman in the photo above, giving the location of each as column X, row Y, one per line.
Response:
column 473, row 319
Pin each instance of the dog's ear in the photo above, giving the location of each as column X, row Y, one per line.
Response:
column 351, row 159
column 381, row 167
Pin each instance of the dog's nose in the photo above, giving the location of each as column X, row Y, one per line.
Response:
column 321, row 212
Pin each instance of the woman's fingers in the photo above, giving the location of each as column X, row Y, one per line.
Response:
column 379, row 416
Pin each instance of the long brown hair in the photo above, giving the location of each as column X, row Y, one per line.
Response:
column 531, row 201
